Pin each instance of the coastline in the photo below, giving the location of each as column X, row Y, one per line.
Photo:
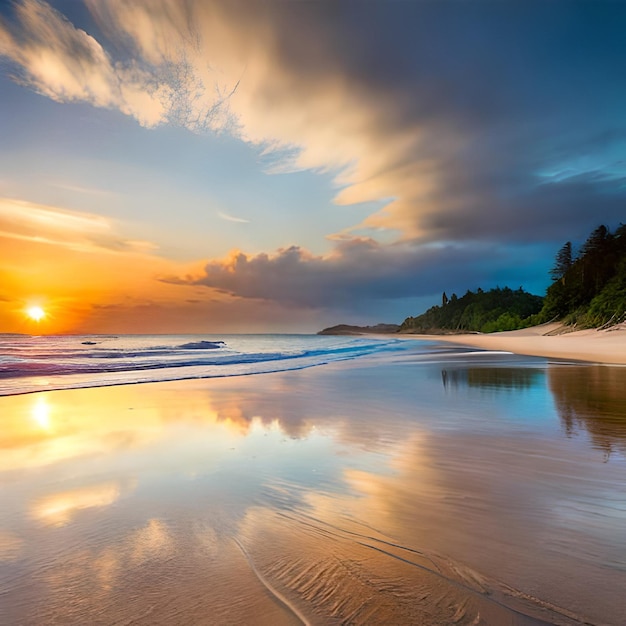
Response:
column 606, row 346
column 372, row 494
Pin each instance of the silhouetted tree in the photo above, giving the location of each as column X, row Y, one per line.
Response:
column 563, row 262
column 595, row 242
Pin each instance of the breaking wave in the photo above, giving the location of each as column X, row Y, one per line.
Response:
column 29, row 363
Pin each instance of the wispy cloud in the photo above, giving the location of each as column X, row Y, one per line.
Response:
column 205, row 64
column 66, row 64
column 84, row 232
column 232, row 218
column 92, row 191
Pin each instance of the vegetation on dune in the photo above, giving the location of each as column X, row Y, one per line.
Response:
column 590, row 290
column 484, row 311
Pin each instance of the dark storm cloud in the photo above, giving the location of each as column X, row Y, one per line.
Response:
column 498, row 93
column 360, row 271
column 527, row 87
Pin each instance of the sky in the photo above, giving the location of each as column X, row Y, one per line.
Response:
column 284, row 165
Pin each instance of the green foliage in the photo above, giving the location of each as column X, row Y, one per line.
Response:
column 485, row 311
column 590, row 291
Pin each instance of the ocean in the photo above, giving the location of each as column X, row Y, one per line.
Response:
column 44, row 363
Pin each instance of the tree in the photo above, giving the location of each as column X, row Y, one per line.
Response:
column 588, row 290
column 563, row 262
column 497, row 309
column 596, row 241
column 444, row 299
column 597, row 261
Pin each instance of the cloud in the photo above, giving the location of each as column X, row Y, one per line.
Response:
column 92, row 191
column 380, row 97
column 211, row 313
column 358, row 271
column 232, row 218
column 66, row 64
column 84, row 232
column 445, row 115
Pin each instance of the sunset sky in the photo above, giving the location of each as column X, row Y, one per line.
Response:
column 244, row 166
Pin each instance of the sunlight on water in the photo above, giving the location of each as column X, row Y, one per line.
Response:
column 455, row 491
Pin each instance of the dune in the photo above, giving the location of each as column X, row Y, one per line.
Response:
column 552, row 341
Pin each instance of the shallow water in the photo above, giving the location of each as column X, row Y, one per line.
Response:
column 446, row 488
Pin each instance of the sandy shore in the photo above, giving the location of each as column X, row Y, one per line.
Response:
column 596, row 346
column 375, row 493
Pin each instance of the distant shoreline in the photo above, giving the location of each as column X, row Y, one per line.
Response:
column 350, row 329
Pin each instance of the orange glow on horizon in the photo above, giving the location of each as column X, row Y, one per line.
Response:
column 57, row 290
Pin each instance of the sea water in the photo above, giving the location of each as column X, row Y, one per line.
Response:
column 39, row 363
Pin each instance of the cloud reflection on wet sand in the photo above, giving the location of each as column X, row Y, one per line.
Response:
column 362, row 494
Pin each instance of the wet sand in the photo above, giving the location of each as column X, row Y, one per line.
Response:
column 439, row 488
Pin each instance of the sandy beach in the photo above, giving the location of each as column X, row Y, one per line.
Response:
column 438, row 486
column 549, row 340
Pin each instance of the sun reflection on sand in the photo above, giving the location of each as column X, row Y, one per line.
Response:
column 41, row 412
column 53, row 427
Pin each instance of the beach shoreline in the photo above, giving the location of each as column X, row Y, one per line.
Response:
column 606, row 346
column 368, row 490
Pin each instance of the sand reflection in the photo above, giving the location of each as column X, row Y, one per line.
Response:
column 53, row 427
column 592, row 399
column 500, row 378
column 124, row 498
column 10, row 546
column 354, row 495
column 58, row 509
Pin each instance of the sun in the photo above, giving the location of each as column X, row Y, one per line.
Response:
column 35, row 313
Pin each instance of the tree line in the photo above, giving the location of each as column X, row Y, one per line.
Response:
column 484, row 311
column 588, row 290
